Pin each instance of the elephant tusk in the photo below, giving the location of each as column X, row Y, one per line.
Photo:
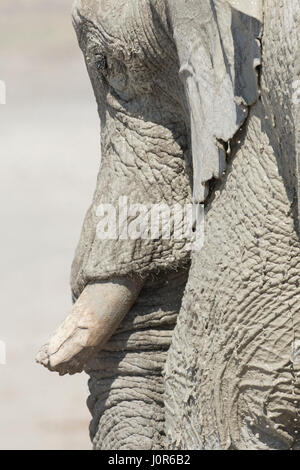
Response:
column 94, row 318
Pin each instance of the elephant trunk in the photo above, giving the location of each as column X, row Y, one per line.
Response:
column 127, row 383
column 94, row 318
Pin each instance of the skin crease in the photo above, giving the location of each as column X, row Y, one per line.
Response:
column 227, row 376
column 237, row 336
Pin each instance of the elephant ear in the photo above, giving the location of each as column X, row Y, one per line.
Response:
column 218, row 50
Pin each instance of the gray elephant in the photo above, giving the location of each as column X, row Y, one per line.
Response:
column 190, row 348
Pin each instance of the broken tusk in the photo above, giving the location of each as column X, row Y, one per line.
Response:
column 94, row 318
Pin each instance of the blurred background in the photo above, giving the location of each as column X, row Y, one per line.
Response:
column 49, row 148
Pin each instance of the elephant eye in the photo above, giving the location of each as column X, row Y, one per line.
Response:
column 101, row 64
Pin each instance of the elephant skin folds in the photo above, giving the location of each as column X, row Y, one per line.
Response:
column 235, row 352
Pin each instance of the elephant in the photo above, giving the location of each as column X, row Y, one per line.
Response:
column 191, row 348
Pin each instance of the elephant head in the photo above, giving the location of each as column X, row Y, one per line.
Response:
column 178, row 87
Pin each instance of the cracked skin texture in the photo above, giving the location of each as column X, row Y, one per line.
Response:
column 231, row 353
column 232, row 374
column 126, row 384
column 144, row 134
column 145, row 157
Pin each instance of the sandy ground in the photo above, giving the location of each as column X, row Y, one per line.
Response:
column 49, row 148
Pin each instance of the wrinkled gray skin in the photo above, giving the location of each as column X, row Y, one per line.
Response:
column 167, row 114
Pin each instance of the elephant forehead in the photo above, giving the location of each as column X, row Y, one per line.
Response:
column 119, row 21
column 128, row 46
column 101, row 10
